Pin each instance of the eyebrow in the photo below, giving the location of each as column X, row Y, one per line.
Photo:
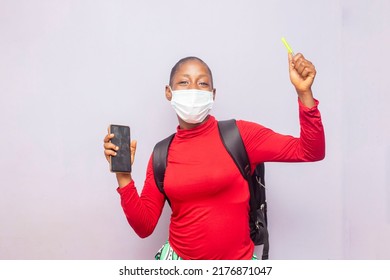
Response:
column 200, row 76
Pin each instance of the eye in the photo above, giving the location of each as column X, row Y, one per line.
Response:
column 183, row 82
column 204, row 84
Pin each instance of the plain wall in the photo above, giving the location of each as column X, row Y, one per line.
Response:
column 70, row 68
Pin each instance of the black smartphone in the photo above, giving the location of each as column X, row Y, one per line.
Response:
column 121, row 163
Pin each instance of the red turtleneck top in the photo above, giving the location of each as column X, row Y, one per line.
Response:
column 209, row 197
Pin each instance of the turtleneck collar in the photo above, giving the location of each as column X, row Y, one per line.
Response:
column 200, row 129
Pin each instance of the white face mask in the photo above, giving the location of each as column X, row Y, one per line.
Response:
column 192, row 105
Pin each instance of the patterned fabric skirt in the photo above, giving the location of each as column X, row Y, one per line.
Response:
column 166, row 253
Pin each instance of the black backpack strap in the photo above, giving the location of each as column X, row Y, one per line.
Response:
column 160, row 157
column 233, row 143
column 231, row 138
column 259, row 173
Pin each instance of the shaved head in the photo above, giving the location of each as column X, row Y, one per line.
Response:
column 185, row 60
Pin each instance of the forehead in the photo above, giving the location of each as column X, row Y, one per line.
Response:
column 192, row 67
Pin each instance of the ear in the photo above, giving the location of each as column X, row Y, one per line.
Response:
column 168, row 93
column 214, row 93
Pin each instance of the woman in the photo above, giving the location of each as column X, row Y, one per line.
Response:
column 209, row 197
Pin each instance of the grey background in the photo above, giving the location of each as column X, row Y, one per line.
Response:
column 70, row 68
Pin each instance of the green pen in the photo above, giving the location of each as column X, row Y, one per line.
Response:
column 289, row 49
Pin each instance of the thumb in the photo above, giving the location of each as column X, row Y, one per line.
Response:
column 290, row 62
column 133, row 148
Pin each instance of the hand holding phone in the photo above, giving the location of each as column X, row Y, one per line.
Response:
column 121, row 162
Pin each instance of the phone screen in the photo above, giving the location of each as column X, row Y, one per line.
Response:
column 121, row 163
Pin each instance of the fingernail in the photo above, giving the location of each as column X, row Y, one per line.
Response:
column 117, row 148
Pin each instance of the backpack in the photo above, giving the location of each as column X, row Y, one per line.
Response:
column 234, row 145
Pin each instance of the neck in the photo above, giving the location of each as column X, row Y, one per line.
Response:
column 185, row 125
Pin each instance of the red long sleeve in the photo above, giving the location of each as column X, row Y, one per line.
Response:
column 264, row 145
column 209, row 197
column 142, row 212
